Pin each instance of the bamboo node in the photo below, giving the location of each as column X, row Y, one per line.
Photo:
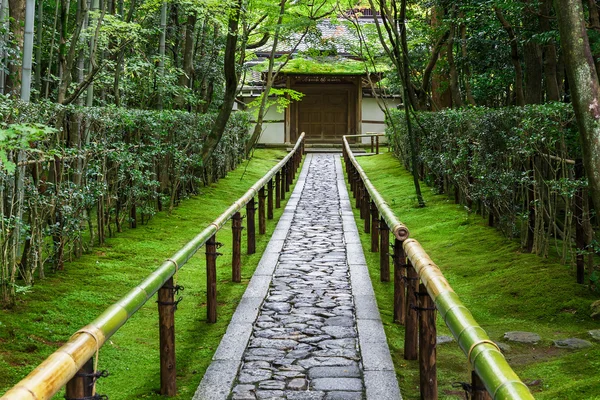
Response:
column 95, row 337
column 174, row 263
column 477, row 344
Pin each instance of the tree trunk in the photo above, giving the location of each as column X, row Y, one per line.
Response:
column 550, row 56
column 16, row 10
column 466, row 67
column 185, row 79
column 90, row 90
column 514, row 55
column 231, row 82
column 28, row 51
column 584, row 86
column 533, row 73
column 161, row 50
column 3, row 38
column 265, row 95
column 454, row 88
column 38, row 50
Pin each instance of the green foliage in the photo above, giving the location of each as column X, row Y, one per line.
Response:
column 19, row 137
column 503, row 288
column 98, row 170
column 493, row 158
column 281, row 98
column 55, row 308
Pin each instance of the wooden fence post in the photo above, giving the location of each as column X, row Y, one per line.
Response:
column 372, row 144
column 427, row 343
column 278, row 189
column 211, row 280
column 270, row 199
column 359, row 192
column 262, row 221
column 236, row 253
column 290, row 175
column 399, row 283
column 166, row 326
column 366, row 212
column 283, row 181
column 376, row 144
column 250, row 211
column 374, row 228
column 384, row 251
column 80, row 386
column 478, row 390
column 411, row 332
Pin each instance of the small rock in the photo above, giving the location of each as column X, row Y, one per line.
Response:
column 504, row 347
column 254, row 375
column 305, row 395
column 595, row 334
column 522, row 337
column 297, row 384
column 269, row 395
column 339, row 321
column 271, row 385
column 344, row 396
column 595, row 308
column 572, row 344
column 345, row 384
column 349, row 371
column 443, row 339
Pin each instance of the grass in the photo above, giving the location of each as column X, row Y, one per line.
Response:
column 504, row 288
column 56, row 307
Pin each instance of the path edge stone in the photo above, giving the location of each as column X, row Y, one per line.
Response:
column 379, row 374
column 219, row 377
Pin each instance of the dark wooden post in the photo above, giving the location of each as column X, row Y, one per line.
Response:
column 359, row 192
column 278, row 189
column 166, row 326
column 384, row 251
column 356, row 180
column 372, row 144
column 411, row 332
column 374, row 228
column 579, row 230
column 283, row 181
column 236, row 253
column 376, row 144
column 399, row 283
column 427, row 344
column 133, row 217
column 262, row 220
column 290, row 175
column 478, row 389
column 250, row 211
column 81, row 385
column 211, row 280
column 270, row 199
column 366, row 212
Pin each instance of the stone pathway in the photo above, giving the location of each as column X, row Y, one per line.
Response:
column 304, row 341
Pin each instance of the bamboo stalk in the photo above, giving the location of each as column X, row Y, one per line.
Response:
column 53, row 373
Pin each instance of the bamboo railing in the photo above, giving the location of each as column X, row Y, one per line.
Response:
column 415, row 308
column 61, row 367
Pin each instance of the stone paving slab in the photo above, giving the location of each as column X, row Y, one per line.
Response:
column 308, row 326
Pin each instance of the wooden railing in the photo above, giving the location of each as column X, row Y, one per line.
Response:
column 415, row 305
column 61, row 368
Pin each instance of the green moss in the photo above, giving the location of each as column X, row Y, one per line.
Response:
column 325, row 66
column 47, row 316
column 504, row 288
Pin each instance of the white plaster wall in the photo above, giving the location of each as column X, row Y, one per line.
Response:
column 372, row 112
column 273, row 132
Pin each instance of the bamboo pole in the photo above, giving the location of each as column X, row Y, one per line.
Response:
column 54, row 372
column 487, row 360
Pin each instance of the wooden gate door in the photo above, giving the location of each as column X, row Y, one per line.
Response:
column 326, row 114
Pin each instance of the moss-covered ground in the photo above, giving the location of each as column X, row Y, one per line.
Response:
column 504, row 288
column 56, row 307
